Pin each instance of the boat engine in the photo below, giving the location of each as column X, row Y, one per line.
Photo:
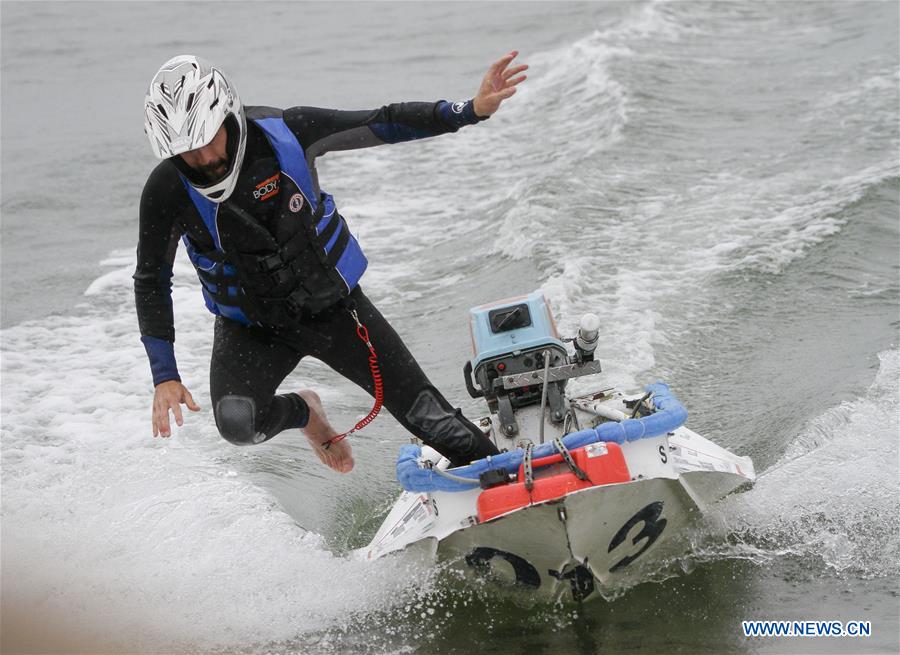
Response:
column 517, row 349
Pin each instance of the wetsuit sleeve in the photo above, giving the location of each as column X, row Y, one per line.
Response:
column 156, row 249
column 324, row 130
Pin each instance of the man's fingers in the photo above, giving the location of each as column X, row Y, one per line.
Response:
column 514, row 71
column 504, row 93
column 157, row 420
column 169, row 400
column 162, row 419
column 189, row 401
column 498, row 83
column 501, row 63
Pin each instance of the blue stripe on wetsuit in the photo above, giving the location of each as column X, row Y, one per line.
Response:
column 453, row 115
column 161, row 354
column 395, row 133
column 458, row 114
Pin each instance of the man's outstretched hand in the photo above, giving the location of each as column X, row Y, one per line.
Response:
column 498, row 84
column 169, row 396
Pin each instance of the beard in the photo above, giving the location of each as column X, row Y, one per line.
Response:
column 215, row 171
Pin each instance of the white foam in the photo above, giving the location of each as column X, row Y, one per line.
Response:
column 880, row 86
column 833, row 496
column 771, row 239
column 169, row 540
column 653, row 19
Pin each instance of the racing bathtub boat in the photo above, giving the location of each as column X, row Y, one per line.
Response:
column 588, row 490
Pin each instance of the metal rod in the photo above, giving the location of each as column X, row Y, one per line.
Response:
column 455, row 478
column 544, row 392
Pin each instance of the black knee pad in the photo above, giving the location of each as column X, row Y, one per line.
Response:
column 236, row 420
column 443, row 428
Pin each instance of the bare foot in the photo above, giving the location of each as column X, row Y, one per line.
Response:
column 318, row 430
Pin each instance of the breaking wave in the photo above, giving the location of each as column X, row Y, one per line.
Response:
column 832, row 498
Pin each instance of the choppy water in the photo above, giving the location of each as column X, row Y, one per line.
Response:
column 718, row 181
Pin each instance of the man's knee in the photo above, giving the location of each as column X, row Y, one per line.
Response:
column 236, row 420
column 443, row 427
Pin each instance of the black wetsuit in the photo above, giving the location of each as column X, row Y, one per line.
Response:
column 250, row 362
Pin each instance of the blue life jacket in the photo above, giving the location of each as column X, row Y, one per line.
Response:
column 305, row 263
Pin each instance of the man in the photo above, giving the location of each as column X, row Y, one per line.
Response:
column 278, row 264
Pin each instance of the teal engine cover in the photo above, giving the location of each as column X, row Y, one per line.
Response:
column 509, row 337
column 507, row 326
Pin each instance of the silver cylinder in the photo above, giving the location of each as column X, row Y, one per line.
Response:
column 588, row 333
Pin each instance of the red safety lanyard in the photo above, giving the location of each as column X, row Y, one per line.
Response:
column 363, row 335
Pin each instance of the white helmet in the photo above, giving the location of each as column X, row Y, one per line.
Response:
column 186, row 104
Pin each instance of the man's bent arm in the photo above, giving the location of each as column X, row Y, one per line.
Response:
column 326, row 130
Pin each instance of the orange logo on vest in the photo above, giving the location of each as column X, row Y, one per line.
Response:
column 267, row 188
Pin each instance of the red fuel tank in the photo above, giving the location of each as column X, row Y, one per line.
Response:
column 603, row 463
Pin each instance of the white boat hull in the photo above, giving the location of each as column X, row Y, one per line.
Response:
column 594, row 539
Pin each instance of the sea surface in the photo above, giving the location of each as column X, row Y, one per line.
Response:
column 718, row 181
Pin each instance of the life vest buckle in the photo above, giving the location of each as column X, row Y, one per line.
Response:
column 270, row 262
column 281, row 276
column 295, row 302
